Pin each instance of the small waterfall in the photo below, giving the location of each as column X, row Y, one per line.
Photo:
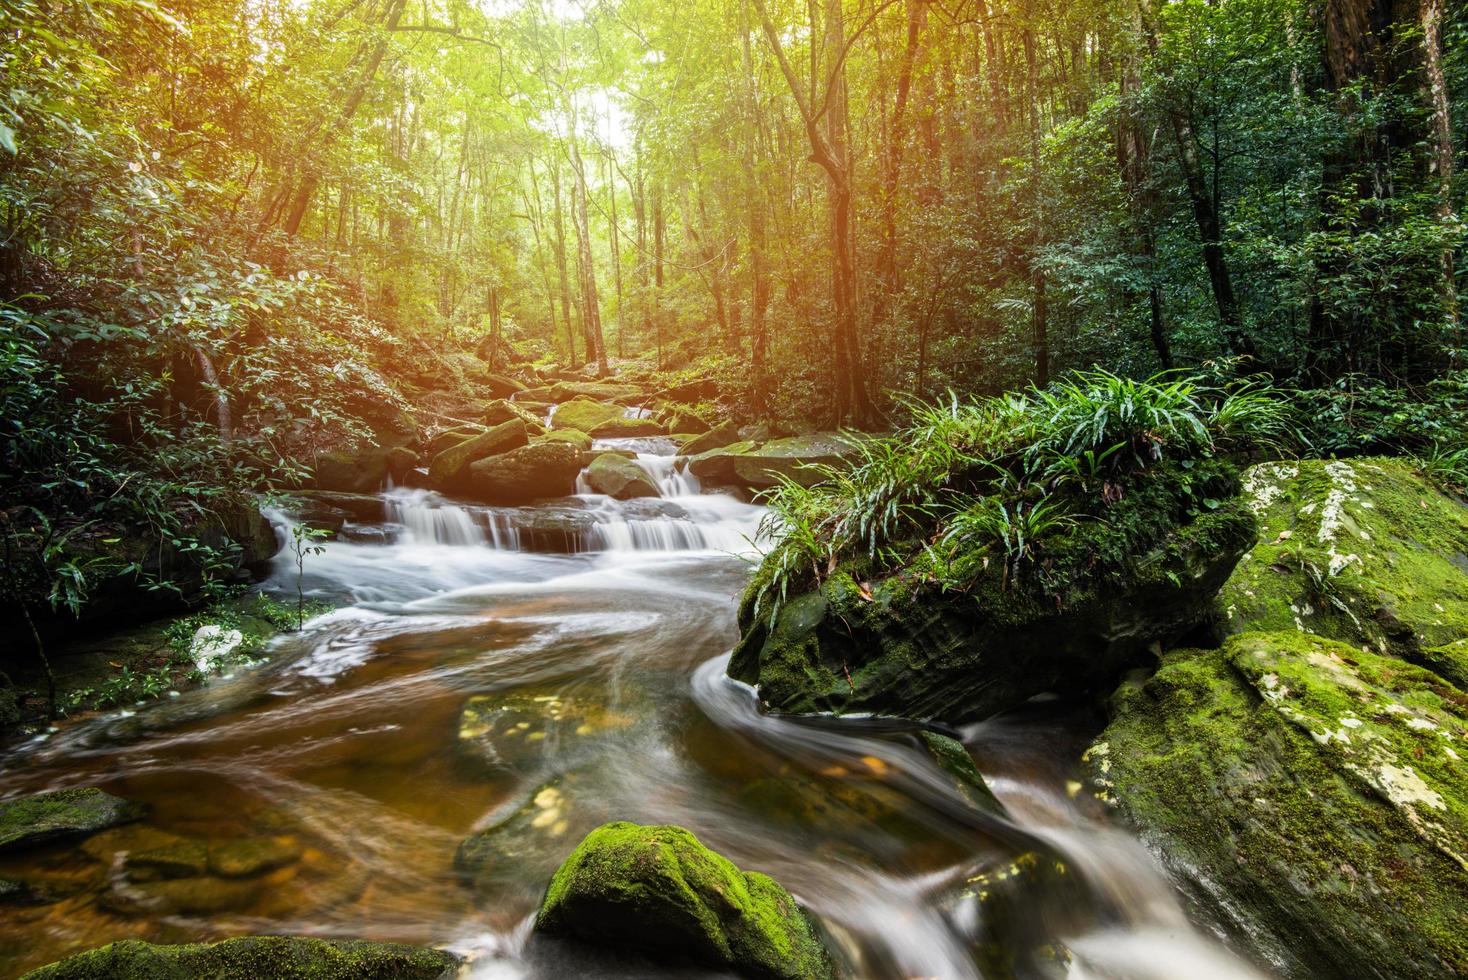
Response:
column 429, row 519
column 670, row 475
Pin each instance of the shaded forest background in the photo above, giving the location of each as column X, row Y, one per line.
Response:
column 239, row 231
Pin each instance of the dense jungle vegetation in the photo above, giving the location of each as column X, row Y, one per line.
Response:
column 240, row 232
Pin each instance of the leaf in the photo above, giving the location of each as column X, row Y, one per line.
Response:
column 7, row 139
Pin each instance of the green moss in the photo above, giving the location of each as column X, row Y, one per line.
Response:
column 450, row 467
column 1098, row 595
column 29, row 821
column 659, row 890
column 254, row 958
column 954, row 759
column 574, row 437
column 622, row 478
column 1284, row 778
column 1365, row 551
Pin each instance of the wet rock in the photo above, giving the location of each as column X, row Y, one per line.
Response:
column 530, row 835
column 520, row 476
column 593, row 391
column 202, row 895
column 602, row 420
column 30, row 821
column 500, row 411
column 254, row 856
column 716, row 438
column 254, row 958
column 553, row 530
column 364, row 507
column 717, row 465
column 795, row 458
column 448, row 438
column 181, row 859
column 1312, row 793
column 659, row 891
column 450, row 469
column 954, row 759
column 902, row 645
column 620, row 478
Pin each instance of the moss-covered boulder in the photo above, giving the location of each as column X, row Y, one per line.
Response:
column 363, row 470
column 593, row 390
column 658, row 890
column 254, row 958
column 1365, row 551
column 449, row 470
column 716, row 438
column 571, row 437
column 953, row 759
column 717, row 465
column 793, row 458
column 1108, row 591
column 29, row 821
column 621, row 478
column 1312, row 793
column 602, row 420
column 526, row 474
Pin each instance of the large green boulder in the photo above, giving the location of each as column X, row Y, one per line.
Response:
column 501, row 411
column 796, row 458
column 1310, row 793
column 571, row 437
column 1306, row 780
column 603, row 420
column 66, row 814
column 450, row 468
column 717, row 465
column 255, row 958
column 1365, row 551
column 595, row 390
column 900, row 644
column 716, row 438
column 659, row 891
column 526, row 474
column 363, row 470
column 619, row 477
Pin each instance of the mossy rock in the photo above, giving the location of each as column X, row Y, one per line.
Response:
column 621, row 478
column 953, row 758
column 1311, row 793
column 365, row 508
column 526, row 474
column 658, row 890
column 501, row 411
column 1365, row 551
column 363, row 471
column 571, row 437
column 717, row 465
column 449, row 470
column 30, row 821
column 900, row 644
column 594, row 390
column 254, row 958
column 794, row 458
column 716, row 438
column 500, row 385
column 602, row 420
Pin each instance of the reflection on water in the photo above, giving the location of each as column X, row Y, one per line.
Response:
column 473, row 687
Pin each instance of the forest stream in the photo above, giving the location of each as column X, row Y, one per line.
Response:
column 599, row 693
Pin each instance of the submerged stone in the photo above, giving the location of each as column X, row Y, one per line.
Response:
column 510, row 729
column 659, row 891
column 30, row 821
column 529, row 836
column 255, row 958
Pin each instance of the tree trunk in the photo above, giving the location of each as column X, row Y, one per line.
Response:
column 1039, row 305
column 1440, row 161
column 561, row 266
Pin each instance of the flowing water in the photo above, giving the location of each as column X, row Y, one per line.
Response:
column 531, row 673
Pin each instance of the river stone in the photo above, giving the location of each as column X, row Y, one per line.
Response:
column 716, row 438
column 520, row 476
column 529, row 835
column 794, row 458
column 255, row 958
column 67, row 813
column 196, row 895
column 585, row 415
column 717, row 465
column 364, row 470
column 593, row 390
column 620, row 478
column 249, row 857
column 953, row 759
column 500, row 411
column 902, row 645
column 364, row 507
column 572, row 437
column 1312, row 794
column 449, row 470
column 658, row 890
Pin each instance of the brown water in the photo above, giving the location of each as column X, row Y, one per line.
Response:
column 598, row 693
